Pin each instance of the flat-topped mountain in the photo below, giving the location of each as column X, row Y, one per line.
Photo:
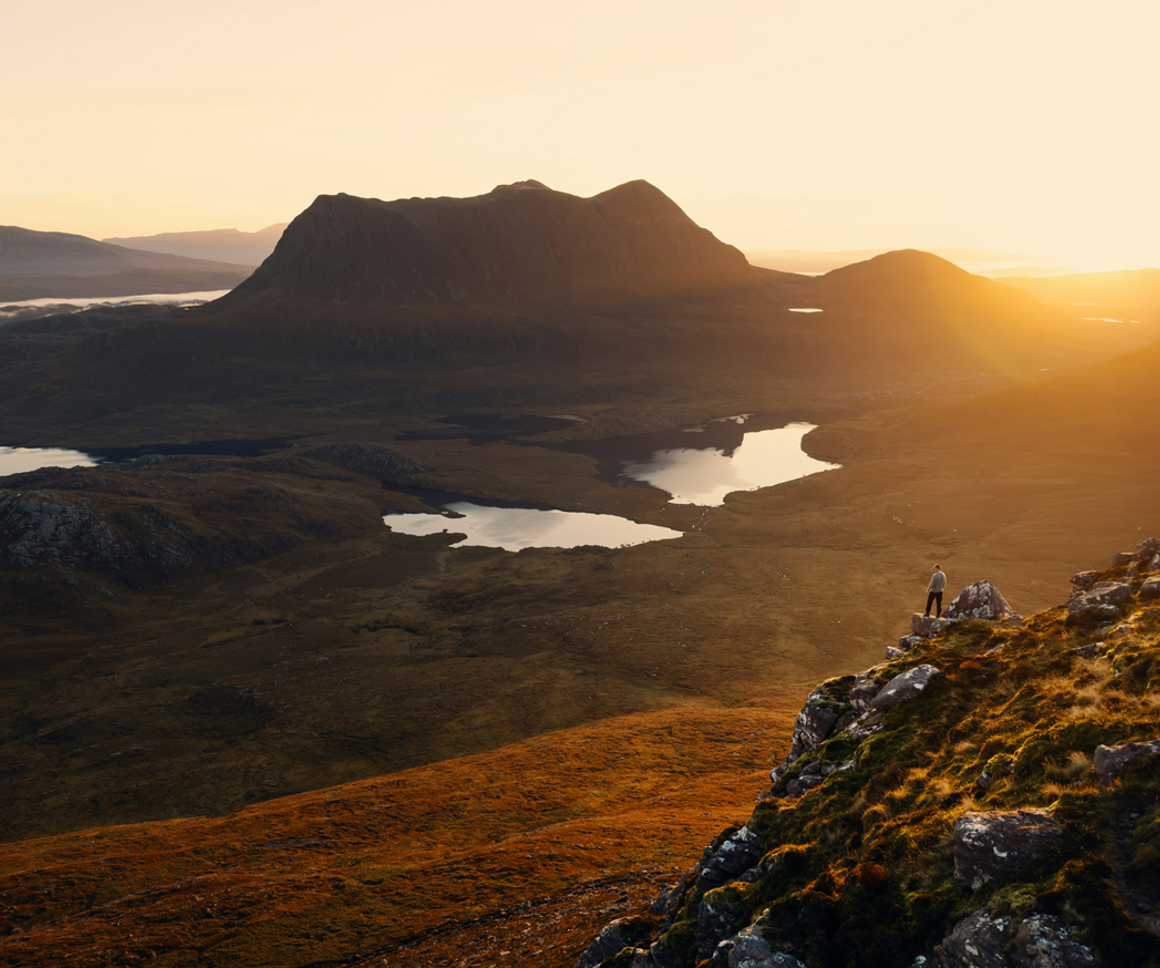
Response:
column 37, row 265
column 518, row 246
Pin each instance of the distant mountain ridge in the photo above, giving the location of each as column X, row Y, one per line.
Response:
column 225, row 245
column 47, row 264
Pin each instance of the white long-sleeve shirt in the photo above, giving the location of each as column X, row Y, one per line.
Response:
column 938, row 581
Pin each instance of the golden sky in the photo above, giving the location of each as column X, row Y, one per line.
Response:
column 1020, row 126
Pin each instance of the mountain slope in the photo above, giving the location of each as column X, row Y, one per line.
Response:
column 45, row 264
column 224, row 245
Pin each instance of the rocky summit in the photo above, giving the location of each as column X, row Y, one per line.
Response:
column 987, row 798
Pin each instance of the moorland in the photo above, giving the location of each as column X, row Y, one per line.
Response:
column 194, row 634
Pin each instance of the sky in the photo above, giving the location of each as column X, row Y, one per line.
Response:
column 1025, row 127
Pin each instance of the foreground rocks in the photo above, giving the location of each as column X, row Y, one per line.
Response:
column 993, row 846
column 1039, row 941
column 1109, row 760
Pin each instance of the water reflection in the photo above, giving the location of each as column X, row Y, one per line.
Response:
column 516, row 528
column 705, row 475
column 19, row 460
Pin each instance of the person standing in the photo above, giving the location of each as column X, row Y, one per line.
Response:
column 934, row 591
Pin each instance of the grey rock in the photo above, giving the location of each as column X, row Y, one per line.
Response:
column 1122, row 558
column 905, row 644
column 980, row 600
column 927, row 626
column 814, row 723
column 613, row 938
column 904, row 686
column 1085, row 579
column 1043, row 941
column 1089, row 650
column 1154, row 564
column 715, row 923
column 1039, row 941
column 1150, row 588
column 735, row 856
column 996, row 845
column 977, row 941
column 1146, row 550
column 749, row 949
column 893, row 653
column 865, row 688
column 1109, row 760
column 1103, row 599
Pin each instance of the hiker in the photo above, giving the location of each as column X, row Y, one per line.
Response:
column 938, row 581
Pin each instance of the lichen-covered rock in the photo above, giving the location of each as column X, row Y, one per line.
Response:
column 980, row 600
column 991, row 846
column 865, row 688
column 1043, row 941
column 735, row 856
column 905, row 644
column 716, row 921
column 1038, row 941
column 977, row 941
column 1104, row 599
column 1109, row 760
column 749, row 949
column 613, row 938
column 904, row 686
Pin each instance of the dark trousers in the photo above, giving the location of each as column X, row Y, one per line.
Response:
column 932, row 599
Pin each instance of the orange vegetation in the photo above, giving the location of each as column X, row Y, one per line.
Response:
column 522, row 852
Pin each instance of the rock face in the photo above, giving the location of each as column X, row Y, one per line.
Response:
column 735, row 856
column 1039, row 941
column 904, row 686
column 996, row 845
column 981, row 600
column 1109, row 760
column 518, row 246
column 814, row 723
column 748, row 949
column 614, row 937
column 1104, row 599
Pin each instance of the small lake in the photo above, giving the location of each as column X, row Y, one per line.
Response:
column 19, row 460
column 514, row 528
column 702, row 464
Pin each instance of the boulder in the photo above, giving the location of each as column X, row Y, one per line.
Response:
column 1109, row 760
column 1146, row 550
column 613, row 938
column 1085, row 579
column 1043, row 941
column 926, row 626
column 749, row 949
column 1122, row 558
column 735, row 856
column 1038, row 941
column 864, row 690
column 995, row 845
column 716, row 921
column 981, row 600
column 1104, row 599
column 977, row 941
column 1150, row 588
column 904, row 686
column 905, row 644
column 814, row 723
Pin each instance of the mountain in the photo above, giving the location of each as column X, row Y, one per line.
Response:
column 1131, row 295
column 45, row 264
column 802, row 260
column 223, row 245
column 519, row 247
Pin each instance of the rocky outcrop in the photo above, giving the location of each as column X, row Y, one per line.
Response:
column 1104, row 599
column 980, row 601
column 735, row 856
column 993, row 846
column 749, row 949
column 925, row 626
column 1109, row 760
column 613, row 938
column 1038, row 941
column 904, row 686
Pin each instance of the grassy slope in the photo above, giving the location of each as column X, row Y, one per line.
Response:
column 861, row 869
column 461, row 857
